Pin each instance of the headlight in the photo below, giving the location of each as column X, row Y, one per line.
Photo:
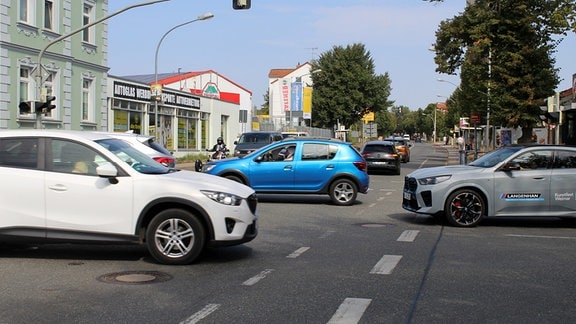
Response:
column 223, row 197
column 433, row 180
column 207, row 167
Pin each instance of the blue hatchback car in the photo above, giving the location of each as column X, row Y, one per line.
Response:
column 304, row 165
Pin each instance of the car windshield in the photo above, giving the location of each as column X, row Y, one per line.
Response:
column 492, row 158
column 136, row 159
column 254, row 138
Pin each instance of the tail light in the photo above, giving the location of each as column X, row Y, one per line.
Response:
column 165, row 161
column 361, row 165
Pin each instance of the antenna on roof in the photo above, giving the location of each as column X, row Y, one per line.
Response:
column 312, row 51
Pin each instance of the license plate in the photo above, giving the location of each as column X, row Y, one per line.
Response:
column 407, row 195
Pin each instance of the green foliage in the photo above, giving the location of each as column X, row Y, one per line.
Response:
column 504, row 50
column 347, row 87
column 265, row 107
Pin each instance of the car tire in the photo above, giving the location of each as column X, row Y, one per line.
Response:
column 343, row 192
column 175, row 237
column 465, row 208
column 234, row 178
column 397, row 171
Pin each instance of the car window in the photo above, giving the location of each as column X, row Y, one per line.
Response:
column 72, row 157
column 534, row 160
column 314, row 151
column 565, row 160
column 279, row 153
column 377, row 148
column 133, row 157
column 19, row 152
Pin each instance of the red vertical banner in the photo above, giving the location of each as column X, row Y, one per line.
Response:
column 285, row 91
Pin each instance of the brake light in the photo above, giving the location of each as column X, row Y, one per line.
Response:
column 361, row 165
column 165, row 161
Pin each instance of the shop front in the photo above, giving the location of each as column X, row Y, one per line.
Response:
column 181, row 122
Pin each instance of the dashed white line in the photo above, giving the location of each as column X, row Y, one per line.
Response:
column 298, row 252
column 386, row 264
column 542, row 236
column 203, row 313
column 408, row 236
column 326, row 234
column 350, row 311
column 258, row 277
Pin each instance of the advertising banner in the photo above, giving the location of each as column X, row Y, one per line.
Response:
column 296, row 96
column 307, row 102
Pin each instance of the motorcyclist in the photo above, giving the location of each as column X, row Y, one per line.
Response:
column 219, row 149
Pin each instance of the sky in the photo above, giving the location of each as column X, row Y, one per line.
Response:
column 244, row 45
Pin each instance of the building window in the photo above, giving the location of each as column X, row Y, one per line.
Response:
column 25, row 88
column 87, row 104
column 24, row 11
column 49, row 14
column 87, row 19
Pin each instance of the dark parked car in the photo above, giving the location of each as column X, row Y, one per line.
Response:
column 251, row 141
column 381, row 155
column 300, row 165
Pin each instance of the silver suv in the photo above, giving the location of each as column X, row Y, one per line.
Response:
column 86, row 187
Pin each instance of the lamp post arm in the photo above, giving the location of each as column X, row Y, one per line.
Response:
column 39, row 68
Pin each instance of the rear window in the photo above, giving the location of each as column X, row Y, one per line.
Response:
column 378, row 149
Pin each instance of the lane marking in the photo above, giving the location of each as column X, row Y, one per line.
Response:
column 298, row 252
column 408, row 236
column 258, row 277
column 350, row 311
column 203, row 313
column 386, row 264
column 542, row 236
column 326, row 234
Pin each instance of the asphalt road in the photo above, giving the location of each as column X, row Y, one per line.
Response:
column 314, row 262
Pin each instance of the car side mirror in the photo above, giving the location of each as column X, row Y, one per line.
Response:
column 108, row 170
column 511, row 166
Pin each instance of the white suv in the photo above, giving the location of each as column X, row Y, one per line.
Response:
column 73, row 186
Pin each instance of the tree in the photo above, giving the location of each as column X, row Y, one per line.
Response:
column 265, row 107
column 347, row 88
column 504, row 51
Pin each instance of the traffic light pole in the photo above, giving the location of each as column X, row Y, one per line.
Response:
column 38, row 74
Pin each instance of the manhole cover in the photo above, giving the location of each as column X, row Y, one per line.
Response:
column 135, row 277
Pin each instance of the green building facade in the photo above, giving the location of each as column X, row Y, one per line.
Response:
column 74, row 70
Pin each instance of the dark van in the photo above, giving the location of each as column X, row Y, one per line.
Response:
column 249, row 142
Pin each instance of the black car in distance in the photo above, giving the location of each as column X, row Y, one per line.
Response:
column 381, row 156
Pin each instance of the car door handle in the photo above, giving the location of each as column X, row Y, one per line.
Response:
column 330, row 166
column 58, row 187
column 288, row 167
column 539, row 178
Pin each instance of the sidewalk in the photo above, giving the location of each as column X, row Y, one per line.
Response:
column 452, row 152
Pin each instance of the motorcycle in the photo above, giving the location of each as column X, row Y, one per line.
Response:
column 218, row 155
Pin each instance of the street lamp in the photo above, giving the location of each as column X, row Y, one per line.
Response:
column 204, row 16
column 38, row 72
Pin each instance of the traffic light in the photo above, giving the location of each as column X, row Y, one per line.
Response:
column 39, row 107
column 24, row 108
column 241, row 4
column 47, row 106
